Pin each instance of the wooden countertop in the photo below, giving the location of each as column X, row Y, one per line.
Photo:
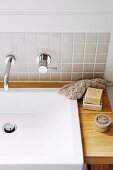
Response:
column 97, row 147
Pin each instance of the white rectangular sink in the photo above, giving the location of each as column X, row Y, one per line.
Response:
column 48, row 130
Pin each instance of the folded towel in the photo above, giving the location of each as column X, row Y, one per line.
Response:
column 75, row 90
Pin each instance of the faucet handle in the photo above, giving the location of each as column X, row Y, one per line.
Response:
column 43, row 61
column 52, row 68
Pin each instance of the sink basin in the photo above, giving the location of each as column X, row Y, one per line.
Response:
column 48, row 131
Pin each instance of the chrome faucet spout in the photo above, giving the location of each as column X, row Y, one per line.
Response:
column 9, row 61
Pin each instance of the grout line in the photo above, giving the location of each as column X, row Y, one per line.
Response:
column 72, row 55
column 26, row 51
column 84, row 55
column 95, row 55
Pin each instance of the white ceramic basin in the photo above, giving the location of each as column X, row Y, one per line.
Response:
column 48, row 131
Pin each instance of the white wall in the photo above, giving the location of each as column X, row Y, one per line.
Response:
column 52, row 6
column 59, row 16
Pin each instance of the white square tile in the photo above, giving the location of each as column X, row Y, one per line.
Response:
column 76, row 76
column 13, row 76
column 89, row 58
column 2, row 59
column 88, row 67
column 80, row 37
column 44, row 77
column 19, row 38
column 91, row 37
column 66, row 67
column 67, row 48
column 8, row 49
column 77, row 67
column 55, row 76
column 33, row 67
column 34, row 76
column 99, row 67
column 101, row 58
column 7, row 38
column 104, row 38
column 68, row 38
column 66, row 58
column 55, row 58
column 79, row 48
column 2, row 68
column 31, row 37
column 66, row 76
column 20, row 50
column 55, row 38
column 102, row 48
column 32, row 52
column 78, row 58
column 22, row 67
column 44, row 38
column 23, row 76
column 56, row 48
column 90, row 48
column 44, row 48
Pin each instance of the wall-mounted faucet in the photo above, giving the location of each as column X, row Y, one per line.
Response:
column 44, row 60
column 9, row 60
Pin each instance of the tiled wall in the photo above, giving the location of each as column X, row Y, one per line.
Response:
column 76, row 55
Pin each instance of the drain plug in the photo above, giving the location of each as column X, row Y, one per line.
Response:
column 9, row 127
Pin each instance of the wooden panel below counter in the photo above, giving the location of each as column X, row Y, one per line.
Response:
column 97, row 147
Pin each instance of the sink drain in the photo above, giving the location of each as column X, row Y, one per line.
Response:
column 9, row 127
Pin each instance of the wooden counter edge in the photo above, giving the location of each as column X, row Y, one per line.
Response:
column 98, row 160
column 35, row 84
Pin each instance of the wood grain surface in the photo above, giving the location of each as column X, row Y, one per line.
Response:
column 97, row 147
column 35, row 84
column 99, row 167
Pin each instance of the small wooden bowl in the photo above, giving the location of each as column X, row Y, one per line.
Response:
column 102, row 122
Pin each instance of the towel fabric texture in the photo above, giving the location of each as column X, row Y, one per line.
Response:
column 76, row 89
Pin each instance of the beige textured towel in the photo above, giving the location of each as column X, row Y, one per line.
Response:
column 75, row 90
